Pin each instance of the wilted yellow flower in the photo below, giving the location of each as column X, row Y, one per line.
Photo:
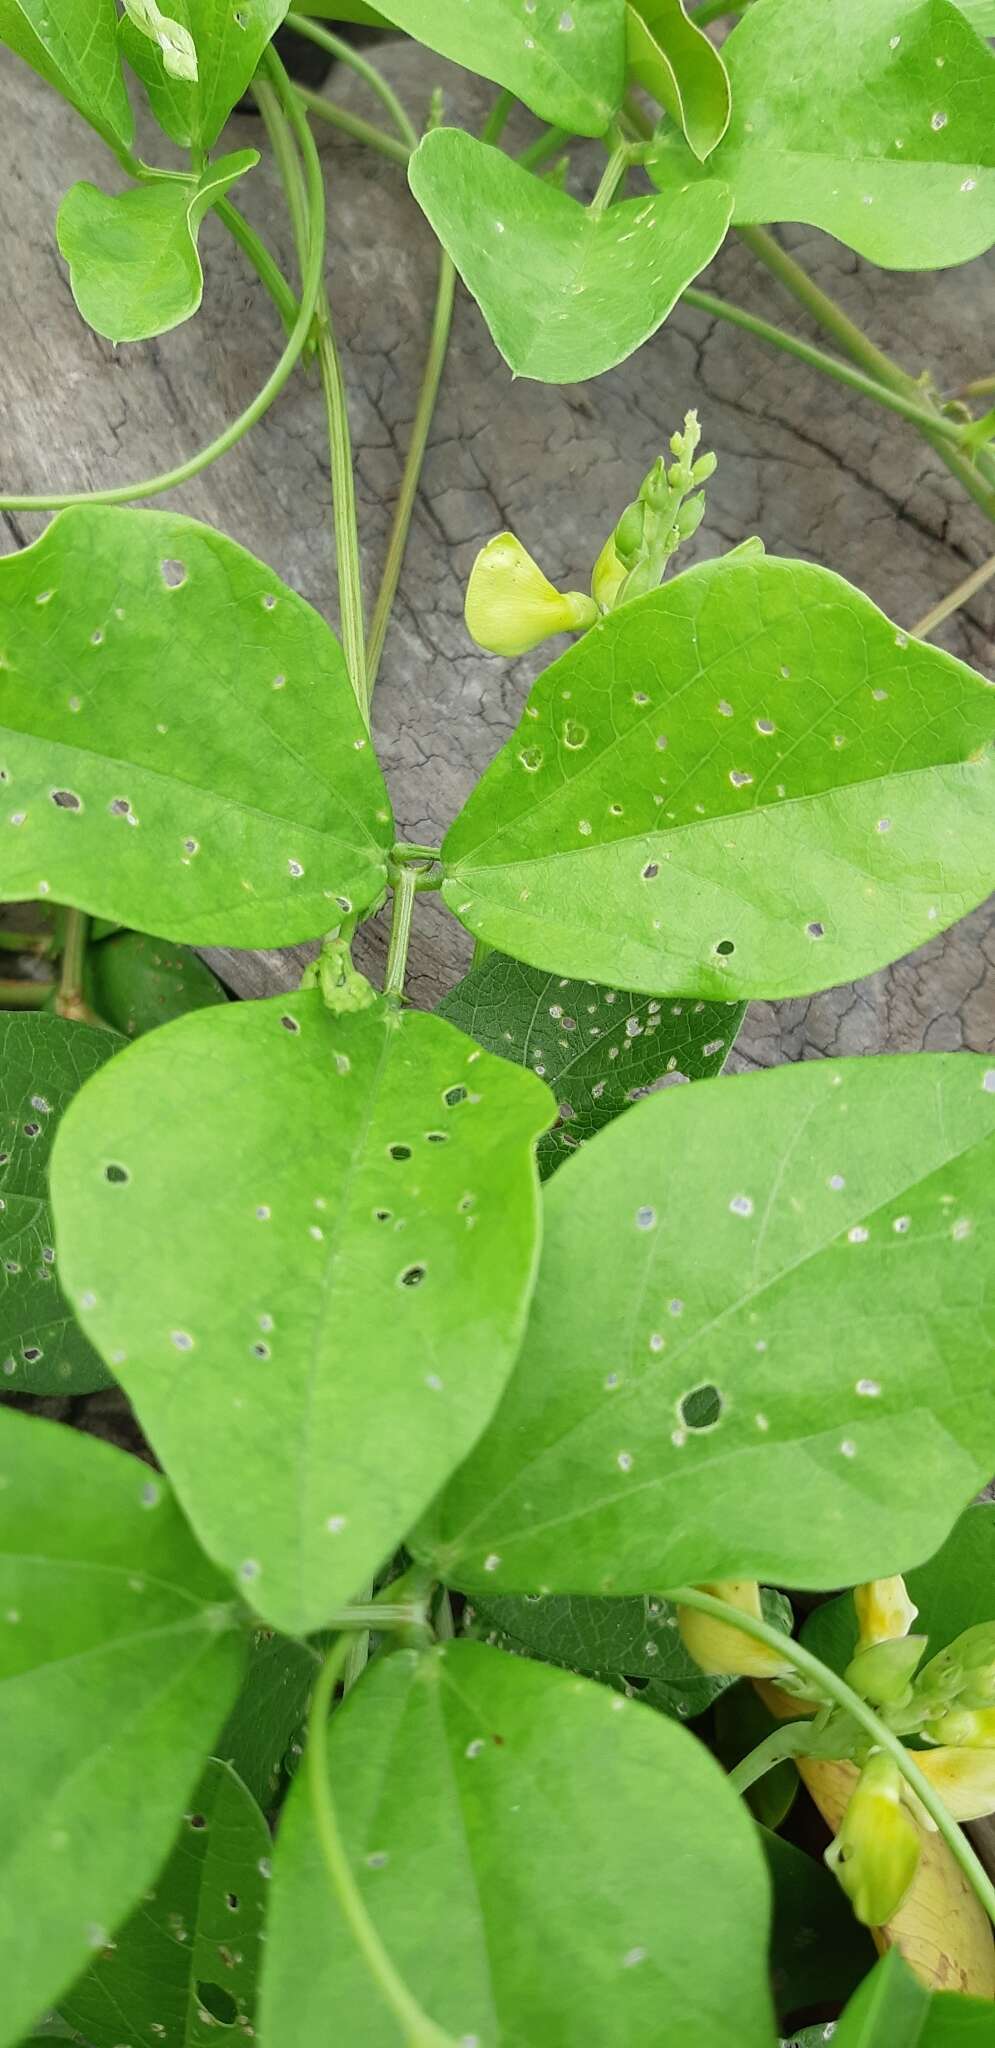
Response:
column 876, row 1852
column 718, row 1647
column 884, row 1610
column 964, row 1779
column 511, row 606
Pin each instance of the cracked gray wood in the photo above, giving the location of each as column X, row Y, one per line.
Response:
column 818, row 472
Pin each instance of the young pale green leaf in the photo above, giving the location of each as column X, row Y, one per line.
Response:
column 953, row 1591
column 186, row 1961
column 818, row 1951
column 566, row 63
column 876, row 123
column 73, row 46
column 136, row 983
column 270, row 1712
column 744, row 784
column 180, row 747
column 760, row 1343
column 133, row 262
column 229, row 41
column 544, row 1861
column 120, row 1654
column 43, row 1062
column 632, row 1645
column 310, row 1271
column 565, row 291
column 676, row 62
column 598, row 1049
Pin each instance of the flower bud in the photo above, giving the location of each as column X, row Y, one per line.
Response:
column 876, row 1852
column 965, row 1670
column 705, row 467
column 971, row 1729
column 964, row 1779
column 511, row 606
column 628, row 534
column 883, row 1672
column 719, row 1647
column 690, row 516
column 884, row 1611
column 608, row 576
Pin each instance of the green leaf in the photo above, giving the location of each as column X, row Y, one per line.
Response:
column 120, row 1654
column 980, row 14
column 875, row 123
column 43, row 1061
column 179, row 742
column 317, row 1273
column 132, row 256
column 744, row 784
column 137, row 983
column 676, row 62
column 632, row 1645
column 892, row 2009
column 818, row 1952
column 596, row 1069
column 544, row 1861
column 566, row 62
column 953, row 1591
column 270, row 1712
column 754, row 1294
column 187, row 1959
column 566, row 292
column 72, row 44
column 229, row 40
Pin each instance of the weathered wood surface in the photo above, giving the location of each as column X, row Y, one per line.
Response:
column 816, row 471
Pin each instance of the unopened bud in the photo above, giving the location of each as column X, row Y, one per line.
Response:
column 883, row 1672
column 967, row 1728
column 690, row 516
column 884, row 1611
column 609, row 575
column 511, row 606
column 965, row 1670
column 719, row 1647
column 628, row 534
column 964, row 1779
column 876, row 1853
column 705, row 467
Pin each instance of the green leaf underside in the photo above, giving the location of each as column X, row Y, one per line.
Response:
column 180, row 745
column 544, row 1860
column 230, row 41
column 980, row 14
column 197, row 1935
column 876, row 123
column 137, row 983
column 632, row 1645
column 43, row 1061
column 953, row 1591
column 753, row 1293
column 73, row 47
column 314, row 1330
column 744, row 784
column 682, row 69
column 269, row 1713
column 565, row 292
column 118, row 1662
column 566, row 62
column 819, row 1952
column 892, row 2009
column 598, row 1049
column 133, row 260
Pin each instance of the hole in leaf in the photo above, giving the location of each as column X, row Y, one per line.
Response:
column 219, row 2003
column 383, row 1215
column 173, row 573
column 815, row 930
column 196, row 1820
column 399, row 1151
column 290, row 1023
column 725, row 946
column 412, row 1276
column 436, row 1137
column 232, row 1901
column 701, row 1408
column 117, row 1175
column 454, row 1095
column 66, row 799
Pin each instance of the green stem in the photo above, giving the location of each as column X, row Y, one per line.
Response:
column 265, row 266
column 845, row 373
column 831, row 1686
column 550, row 143
column 405, row 849
column 417, row 2029
column 354, row 126
column 69, row 1002
column 327, row 40
column 24, row 995
column 403, row 510
column 270, row 99
column 955, row 598
column 790, row 1741
column 496, row 121
column 26, row 942
column 980, row 388
column 400, row 931
column 611, row 178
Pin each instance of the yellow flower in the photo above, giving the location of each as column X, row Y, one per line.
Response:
column 876, row 1853
column 884, row 1610
column 718, row 1647
column 962, row 1726
column 964, row 1779
column 511, row 606
column 608, row 575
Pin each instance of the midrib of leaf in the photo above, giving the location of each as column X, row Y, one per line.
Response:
column 493, row 1974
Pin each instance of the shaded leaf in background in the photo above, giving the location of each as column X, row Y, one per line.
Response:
column 230, row 41
column 598, row 1049
column 120, row 1654
column 43, row 1062
column 136, row 983
column 270, row 1711
column 953, row 1591
column 504, row 1822
column 760, row 1343
column 892, row 2009
column 180, row 746
column 566, row 292
column 73, row 47
column 740, row 1723
column 632, row 1645
column 747, row 783
column 133, row 261
column 313, row 1270
column 818, row 1952
column 566, row 63
column 187, row 1959
column 675, row 62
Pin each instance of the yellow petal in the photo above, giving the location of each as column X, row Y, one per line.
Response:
column 974, row 1728
column 608, row 576
column 964, row 1779
column 511, row 606
column 718, row 1647
column 884, row 1610
column 876, row 1852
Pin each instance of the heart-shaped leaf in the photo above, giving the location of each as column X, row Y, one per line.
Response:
column 566, row 62
column 744, row 784
column 186, row 1962
column 179, row 743
column 566, row 292
column 570, row 1852
column 73, row 46
column 598, row 1049
column 630, row 1644
column 312, row 1278
column 120, row 1654
column 754, row 1293
column 676, row 62
column 136, row 983
column 229, row 41
column 133, row 261
column 43, row 1061
column 875, row 123
column 953, row 1591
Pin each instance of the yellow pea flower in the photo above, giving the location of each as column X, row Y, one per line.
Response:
column 964, row 1779
column 511, row 606
column 884, row 1611
column 718, row 1647
column 876, row 1852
